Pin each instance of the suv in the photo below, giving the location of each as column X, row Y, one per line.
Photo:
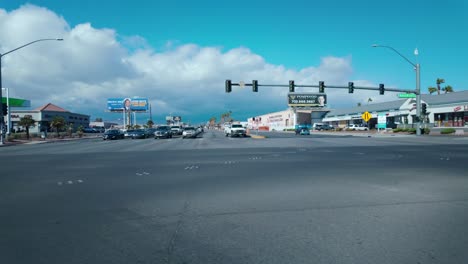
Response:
column 177, row 130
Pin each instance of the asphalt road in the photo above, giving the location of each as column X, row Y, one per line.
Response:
column 310, row 199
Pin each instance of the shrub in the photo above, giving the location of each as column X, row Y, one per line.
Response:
column 447, row 131
column 349, row 129
column 396, row 130
column 339, row 129
column 427, row 131
column 412, row 130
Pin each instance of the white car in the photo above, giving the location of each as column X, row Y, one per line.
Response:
column 357, row 127
column 189, row 132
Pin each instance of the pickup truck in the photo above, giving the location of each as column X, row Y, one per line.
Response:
column 235, row 130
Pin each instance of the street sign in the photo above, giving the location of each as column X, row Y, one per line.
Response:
column 406, row 95
column 366, row 116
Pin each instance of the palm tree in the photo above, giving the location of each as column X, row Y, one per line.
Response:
column 58, row 123
column 448, row 89
column 359, row 104
column 150, row 123
column 439, row 81
column 431, row 90
column 27, row 122
column 369, row 100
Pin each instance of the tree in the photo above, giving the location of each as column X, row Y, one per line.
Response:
column 136, row 126
column 439, row 81
column 27, row 122
column 431, row 90
column 98, row 119
column 58, row 123
column 212, row 121
column 448, row 89
column 150, row 123
column 359, row 104
column 369, row 100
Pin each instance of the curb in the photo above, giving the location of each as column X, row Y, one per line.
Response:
column 257, row 137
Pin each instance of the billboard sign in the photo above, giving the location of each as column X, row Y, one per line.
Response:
column 127, row 104
column 307, row 99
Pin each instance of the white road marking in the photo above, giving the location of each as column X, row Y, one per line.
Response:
column 80, row 181
column 139, row 174
column 69, row 182
column 146, row 173
column 59, row 183
column 359, row 153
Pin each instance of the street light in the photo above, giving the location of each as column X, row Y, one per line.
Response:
column 418, row 83
column 2, row 121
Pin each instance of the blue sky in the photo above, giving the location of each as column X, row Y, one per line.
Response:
column 292, row 34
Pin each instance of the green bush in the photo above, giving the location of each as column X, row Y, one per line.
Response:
column 339, row 129
column 412, row 130
column 396, row 130
column 289, row 129
column 427, row 131
column 447, row 131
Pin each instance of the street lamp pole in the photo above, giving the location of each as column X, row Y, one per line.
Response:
column 2, row 120
column 417, row 67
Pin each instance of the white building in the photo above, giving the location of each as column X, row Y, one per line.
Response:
column 44, row 116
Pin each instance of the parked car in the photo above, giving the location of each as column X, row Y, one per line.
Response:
column 189, row 132
column 322, row 127
column 112, row 134
column 163, row 132
column 357, row 127
column 137, row 133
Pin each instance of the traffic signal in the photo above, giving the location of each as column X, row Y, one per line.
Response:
column 291, row 86
column 381, row 89
column 321, row 87
column 228, row 86
column 424, row 109
column 255, row 86
column 350, row 87
column 5, row 109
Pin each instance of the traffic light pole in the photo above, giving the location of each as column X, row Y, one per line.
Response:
column 2, row 120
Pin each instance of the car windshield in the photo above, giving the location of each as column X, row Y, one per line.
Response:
column 189, row 128
column 108, row 132
column 162, row 128
column 236, row 126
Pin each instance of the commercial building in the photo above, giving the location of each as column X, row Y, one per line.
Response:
column 444, row 110
column 44, row 116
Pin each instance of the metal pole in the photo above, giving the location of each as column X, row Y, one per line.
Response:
column 9, row 111
column 2, row 138
column 134, row 118
column 418, row 99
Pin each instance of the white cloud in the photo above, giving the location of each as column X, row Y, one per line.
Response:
column 93, row 64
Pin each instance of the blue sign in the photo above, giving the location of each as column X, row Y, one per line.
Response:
column 127, row 104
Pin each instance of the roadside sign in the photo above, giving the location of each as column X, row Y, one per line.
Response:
column 406, row 95
column 366, row 116
column 382, row 121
